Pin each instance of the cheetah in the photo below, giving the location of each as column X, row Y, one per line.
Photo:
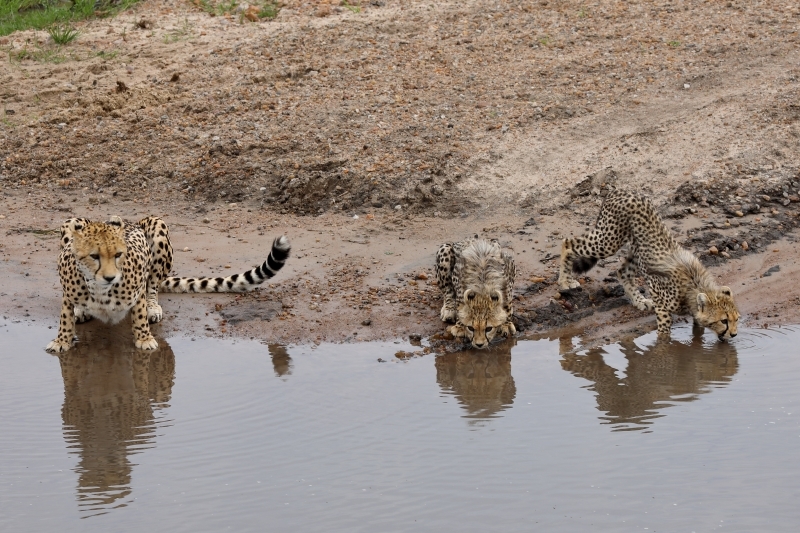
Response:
column 678, row 282
column 108, row 269
column 476, row 278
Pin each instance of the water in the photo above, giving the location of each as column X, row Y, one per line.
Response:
column 216, row 435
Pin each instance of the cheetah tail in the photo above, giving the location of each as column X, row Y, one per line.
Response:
column 582, row 264
column 237, row 282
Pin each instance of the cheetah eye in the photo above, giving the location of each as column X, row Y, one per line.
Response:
column 96, row 257
column 118, row 255
column 471, row 296
column 724, row 321
column 471, row 329
column 489, row 329
column 495, row 298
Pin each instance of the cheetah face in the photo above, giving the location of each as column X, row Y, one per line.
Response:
column 100, row 252
column 718, row 313
column 481, row 317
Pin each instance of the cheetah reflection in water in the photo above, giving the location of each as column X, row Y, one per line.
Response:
column 114, row 397
column 657, row 376
column 480, row 381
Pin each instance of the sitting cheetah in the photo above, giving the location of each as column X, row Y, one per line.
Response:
column 108, row 269
column 678, row 282
column 477, row 279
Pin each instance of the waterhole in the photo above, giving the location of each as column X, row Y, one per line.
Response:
column 224, row 435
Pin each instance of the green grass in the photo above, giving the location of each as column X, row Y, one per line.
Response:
column 18, row 15
column 674, row 44
column 267, row 9
column 62, row 33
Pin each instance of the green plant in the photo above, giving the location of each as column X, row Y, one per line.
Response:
column 353, row 8
column 62, row 33
column 42, row 14
column 546, row 40
column 583, row 13
column 268, row 10
column 674, row 44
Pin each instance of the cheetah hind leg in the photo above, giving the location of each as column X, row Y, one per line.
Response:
column 572, row 262
column 627, row 277
column 444, row 274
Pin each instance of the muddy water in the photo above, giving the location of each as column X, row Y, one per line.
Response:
column 212, row 435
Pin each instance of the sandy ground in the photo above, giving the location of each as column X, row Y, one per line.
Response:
column 511, row 120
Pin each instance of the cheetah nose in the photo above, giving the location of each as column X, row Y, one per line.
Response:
column 109, row 278
column 478, row 344
column 733, row 335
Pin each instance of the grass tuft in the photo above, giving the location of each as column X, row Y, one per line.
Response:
column 62, row 33
column 18, row 15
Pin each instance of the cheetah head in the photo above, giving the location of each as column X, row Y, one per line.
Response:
column 480, row 317
column 717, row 311
column 100, row 250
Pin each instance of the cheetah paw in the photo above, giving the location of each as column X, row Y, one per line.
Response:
column 81, row 314
column 58, row 347
column 567, row 284
column 457, row 331
column 507, row 329
column 645, row 304
column 147, row 344
column 154, row 313
column 448, row 314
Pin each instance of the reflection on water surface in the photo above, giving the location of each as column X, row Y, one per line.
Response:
column 481, row 381
column 656, row 377
column 111, row 395
column 250, row 437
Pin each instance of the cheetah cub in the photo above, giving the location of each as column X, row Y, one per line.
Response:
column 678, row 282
column 476, row 278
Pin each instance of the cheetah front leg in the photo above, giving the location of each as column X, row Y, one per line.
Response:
column 66, row 329
column 141, row 328
column 664, row 322
column 507, row 330
column 444, row 276
column 627, row 277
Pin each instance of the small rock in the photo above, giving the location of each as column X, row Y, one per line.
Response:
column 366, row 322
column 738, row 213
column 186, row 249
column 422, row 276
column 745, row 246
column 713, row 250
column 726, row 255
column 771, row 271
column 687, row 86
column 206, row 221
column 398, row 207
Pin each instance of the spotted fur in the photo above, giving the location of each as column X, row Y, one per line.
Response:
column 476, row 278
column 677, row 281
column 108, row 269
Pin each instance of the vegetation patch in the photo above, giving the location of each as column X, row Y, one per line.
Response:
column 18, row 15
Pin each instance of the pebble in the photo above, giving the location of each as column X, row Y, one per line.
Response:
column 206, row 221
column 726, row 255
column 398, row 207
column 713, row 250
column 745, row 246
column 422, row 276
column 687, row 86
column 186, row 249
column 366, row 322
column 738, row 213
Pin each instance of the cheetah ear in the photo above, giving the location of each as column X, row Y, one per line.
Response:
column 725, row 290
column 469, row 294
column 115, row 221
column 702, row 301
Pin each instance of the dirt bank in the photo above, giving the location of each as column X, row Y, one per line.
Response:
column 510, row 120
